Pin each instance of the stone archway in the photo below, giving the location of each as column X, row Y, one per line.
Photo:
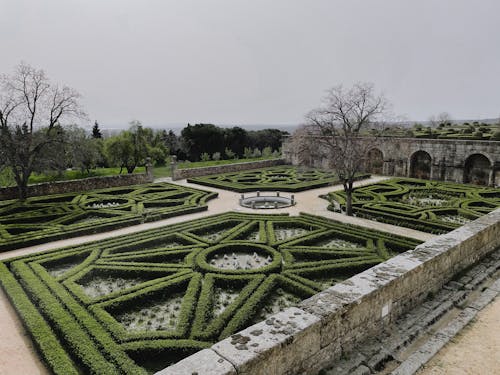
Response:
column 420, row 165
column 477, row 169
column 374, row 161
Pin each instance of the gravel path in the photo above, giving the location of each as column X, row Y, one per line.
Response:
column 474, row 351
column 17, row 355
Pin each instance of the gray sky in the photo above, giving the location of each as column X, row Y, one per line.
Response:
column 256, row 61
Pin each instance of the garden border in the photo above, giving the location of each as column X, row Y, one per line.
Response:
column 80, row 185
column 329, row 324
column 180, row 174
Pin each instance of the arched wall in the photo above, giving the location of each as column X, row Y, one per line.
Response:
column 375, row 161
column 421, row 164
column 477, row 169
column 448, row 157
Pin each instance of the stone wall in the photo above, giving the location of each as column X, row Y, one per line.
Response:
column 179, row 174
column 448, row 158
column 304, row 339
column 84, row 184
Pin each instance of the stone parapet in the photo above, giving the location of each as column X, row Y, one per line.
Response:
column 304, row 339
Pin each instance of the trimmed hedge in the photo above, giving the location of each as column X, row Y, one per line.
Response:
column 54, row 217
column 282, row 178
column 172, row 277
column 428, row 206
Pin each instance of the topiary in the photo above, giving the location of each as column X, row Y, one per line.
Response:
column 495, row 136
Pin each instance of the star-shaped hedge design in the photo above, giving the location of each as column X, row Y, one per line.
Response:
column 49, row 218
column 138, row 303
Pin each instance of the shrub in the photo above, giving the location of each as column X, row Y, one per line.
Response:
column 495, row 136
column 79, row 332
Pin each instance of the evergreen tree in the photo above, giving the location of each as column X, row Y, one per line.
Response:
column 96, row 132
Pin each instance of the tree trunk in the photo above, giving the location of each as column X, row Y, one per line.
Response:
column 348, row 203
column 22, row 187
column 348, row 188
column 130, row 169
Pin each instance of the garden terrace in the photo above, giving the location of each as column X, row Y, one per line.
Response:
column 282, row 178
column 52, row 217
column 428, row 206
column 141, row 302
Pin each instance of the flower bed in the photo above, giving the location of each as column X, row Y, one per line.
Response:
column 141, row 302
column 282, row 178
column 428, row 206
column 52, row 217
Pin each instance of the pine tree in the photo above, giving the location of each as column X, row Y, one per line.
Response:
column 96, row 132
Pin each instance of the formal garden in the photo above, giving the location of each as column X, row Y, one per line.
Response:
column 429, row 206
column 48, row 218
column 138, row 303
column 282, row 178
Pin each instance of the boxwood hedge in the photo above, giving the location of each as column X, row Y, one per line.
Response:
column 282, row 178
column 137, row 303
column 429, row 206
column 53, row 217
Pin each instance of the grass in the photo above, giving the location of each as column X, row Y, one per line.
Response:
column 6, row 178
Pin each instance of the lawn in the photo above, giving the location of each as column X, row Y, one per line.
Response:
column 6, row 178
column 141, row 302
column 428, row 206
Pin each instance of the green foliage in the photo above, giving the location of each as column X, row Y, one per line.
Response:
column 281, row 178
column 428, row 206
column 229, row 153
column 43, row 336
column 205, row 156
column 248, row 153
column 177, row 279
column 495, row 136
column 48, row 218
column 267, row 152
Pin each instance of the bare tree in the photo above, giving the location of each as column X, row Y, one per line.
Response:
column 303, row 144
column 342, row 123
column 441, row 119
column 31, row 109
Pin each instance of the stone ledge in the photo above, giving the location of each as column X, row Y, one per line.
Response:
column 302, row 340
column 205, row 362
column 276, row 346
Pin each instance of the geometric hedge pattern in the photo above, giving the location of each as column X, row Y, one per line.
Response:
column 428, row 206
column 141, row 302
column 282, row 178
column 52, row 217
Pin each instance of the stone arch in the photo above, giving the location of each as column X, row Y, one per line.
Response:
column 374, row 161
column 420, row 165
column 477, row 169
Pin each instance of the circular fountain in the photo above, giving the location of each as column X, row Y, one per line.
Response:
column 259, row 201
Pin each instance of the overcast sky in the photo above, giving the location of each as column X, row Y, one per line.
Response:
column 258, row 61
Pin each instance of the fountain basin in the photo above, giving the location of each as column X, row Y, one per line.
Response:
column 267, row 201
